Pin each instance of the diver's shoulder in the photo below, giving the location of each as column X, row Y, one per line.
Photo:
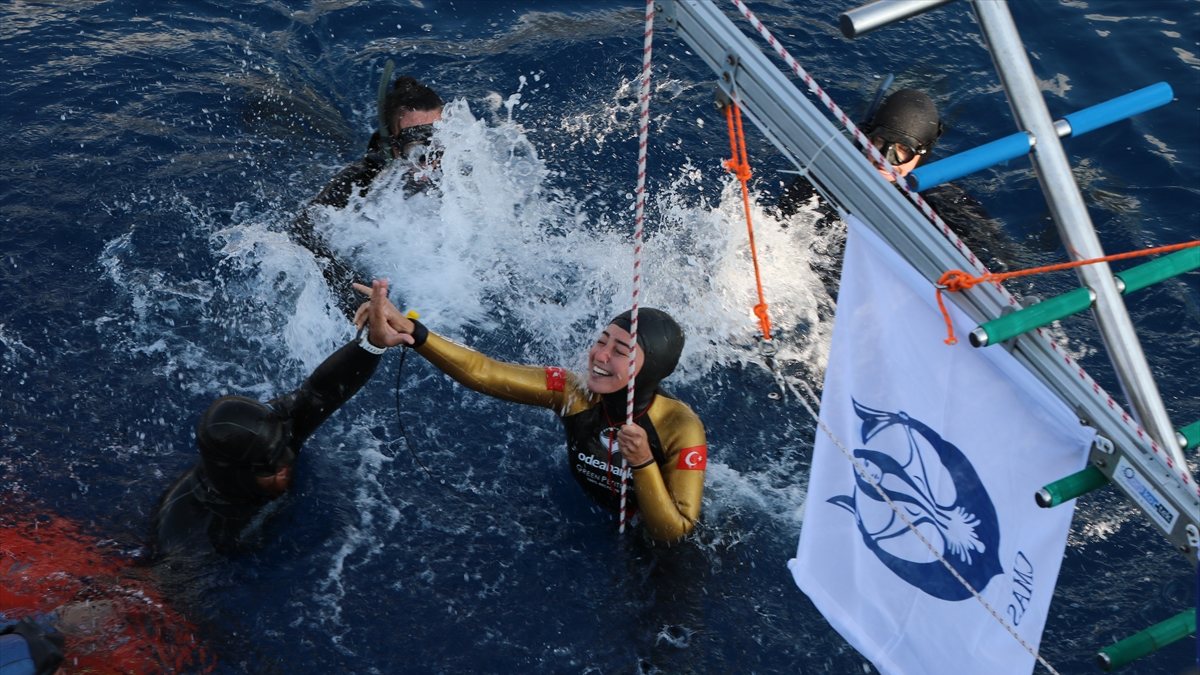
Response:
column 671, row 409
column 361, row 173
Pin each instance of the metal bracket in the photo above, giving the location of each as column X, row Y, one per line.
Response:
column 729, row 72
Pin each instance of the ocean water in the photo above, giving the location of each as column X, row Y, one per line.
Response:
column 156, row 154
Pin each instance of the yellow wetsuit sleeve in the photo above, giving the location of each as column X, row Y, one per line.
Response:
column 508, row 381
column 669, row 496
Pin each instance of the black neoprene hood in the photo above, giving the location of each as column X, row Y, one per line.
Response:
column 236, row 430
column 907, row 116
column 235, row 434
column 661, row 340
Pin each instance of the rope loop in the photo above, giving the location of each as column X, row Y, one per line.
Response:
column 955, row 281
column 739, row 165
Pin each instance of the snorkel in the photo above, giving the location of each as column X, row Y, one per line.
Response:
column 384, row 131
column 880, row 92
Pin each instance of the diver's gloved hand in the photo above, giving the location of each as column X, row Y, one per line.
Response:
column 44, row 645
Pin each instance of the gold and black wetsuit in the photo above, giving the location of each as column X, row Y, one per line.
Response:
column 666, row 493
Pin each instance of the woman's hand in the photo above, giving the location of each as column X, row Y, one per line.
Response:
column 635, row 446
column 387, row 326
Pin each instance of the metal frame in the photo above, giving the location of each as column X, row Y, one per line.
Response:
column 804, row 134
column 1073, row 221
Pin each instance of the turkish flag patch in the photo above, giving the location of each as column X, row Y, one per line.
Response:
column 556, row 379
column 693, row 459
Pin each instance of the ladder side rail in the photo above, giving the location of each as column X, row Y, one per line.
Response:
column 803, row 133
column 1074, row 223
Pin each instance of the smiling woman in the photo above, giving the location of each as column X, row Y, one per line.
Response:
column 665, row 445
column 608, row 360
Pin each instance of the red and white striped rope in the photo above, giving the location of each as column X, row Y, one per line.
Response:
column 639, row 220
column 1181, row 473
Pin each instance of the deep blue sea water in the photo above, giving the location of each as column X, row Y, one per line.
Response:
column 155, row 153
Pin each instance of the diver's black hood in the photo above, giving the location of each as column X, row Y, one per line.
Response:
column 661, row 340
column 236, row 435
column 908, row 116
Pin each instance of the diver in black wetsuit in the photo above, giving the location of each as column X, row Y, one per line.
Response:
column 247, row 451
column 410, row 109
column 904, row 130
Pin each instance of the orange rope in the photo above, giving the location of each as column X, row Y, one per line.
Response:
column 739, row 165
column 958, row 280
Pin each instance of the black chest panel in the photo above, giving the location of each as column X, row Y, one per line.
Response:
column 595, row 458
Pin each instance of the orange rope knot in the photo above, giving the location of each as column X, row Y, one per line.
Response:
column 764, row 320
column 955, row 281
column 742, row 171
column 739, row 165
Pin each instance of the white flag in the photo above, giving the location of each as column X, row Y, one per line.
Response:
column 959, row 439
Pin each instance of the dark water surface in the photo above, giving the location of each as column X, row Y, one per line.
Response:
column 155, row 152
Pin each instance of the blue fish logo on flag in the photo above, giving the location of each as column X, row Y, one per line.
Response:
column 912, row 470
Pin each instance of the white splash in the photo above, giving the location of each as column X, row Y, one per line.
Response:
column 494, row 244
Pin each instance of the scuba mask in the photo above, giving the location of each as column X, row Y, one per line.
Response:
column 905, row 126
column 896, row 152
